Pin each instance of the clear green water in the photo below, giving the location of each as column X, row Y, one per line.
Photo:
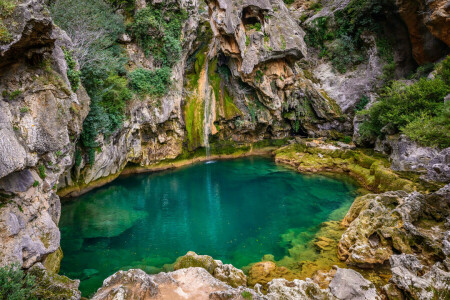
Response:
column 234, row 210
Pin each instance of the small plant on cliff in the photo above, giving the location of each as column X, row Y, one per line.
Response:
column 72, row 73
column 41, row 169
column 15, row 285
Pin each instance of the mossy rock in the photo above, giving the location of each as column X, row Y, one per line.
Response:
column 191, row 259
column 53, row 261
column 52, row 286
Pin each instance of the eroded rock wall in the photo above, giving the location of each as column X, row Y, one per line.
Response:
column 40, row 120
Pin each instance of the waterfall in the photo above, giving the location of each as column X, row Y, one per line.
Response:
column 208, row 98
column 207, row 112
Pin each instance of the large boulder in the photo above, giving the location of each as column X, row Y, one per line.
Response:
column 190, row 283
column 380, row 225
column 411, row 279
column 52, row 286
column 349, row 284
column 41, row 119
column 407, row 155
column 224, row 272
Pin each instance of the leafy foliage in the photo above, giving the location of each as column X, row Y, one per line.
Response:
column 158, row 32
column 72, row 73
column 154, row 83
column 418, row 110
column 363, row 101
column 94, row 27
column 15, row 285
column 341, row 40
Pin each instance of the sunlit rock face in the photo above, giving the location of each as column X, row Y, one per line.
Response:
column 40, row 120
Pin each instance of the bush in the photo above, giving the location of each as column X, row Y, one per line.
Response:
column 431, row 131
column 418, row 110
column 41, row 169
column 340, row 41
column 158, row 32
column 72, row 73
column 154, row 83
column 94, row 27
column 15, row 285
column 363, row 101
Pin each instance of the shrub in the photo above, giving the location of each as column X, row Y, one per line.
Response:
column 72, row 73
column 418, row 110
column 363, row 101
column 35, row 183
column 154, row 83
column 341, row 40
column 431, row 131
column 102, row 61
column 41, row 169
column 15, row 285
column 24, row 109
column 164, row 25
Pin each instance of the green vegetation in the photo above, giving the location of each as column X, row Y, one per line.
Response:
column 24, row 109
column 164, row 25
column 127, row 5
column 224, row 102
column 41, row 169
column 153, row 83
column 15, row 285
column 6, row 9
column 35, row 183
column 341, row 41
column 417, row 110
column 101, row 61
column 72, row 73
column 11, row 96
column 363, row 101
column 288, row 1
column 245, row 294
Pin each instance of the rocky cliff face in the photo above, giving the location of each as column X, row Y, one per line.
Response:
column 40, row 120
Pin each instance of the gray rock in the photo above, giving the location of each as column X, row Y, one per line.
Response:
column 349, row 284
column 407, row 155
column 19, row 181
column 34, row 132
column 297, row 289
column 190, row 283
column 433, row 284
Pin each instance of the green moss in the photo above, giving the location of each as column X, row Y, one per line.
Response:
column 53, row 260
column 369, row 171
column 223, row 100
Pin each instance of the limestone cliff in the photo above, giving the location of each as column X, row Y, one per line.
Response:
column 40, row 120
